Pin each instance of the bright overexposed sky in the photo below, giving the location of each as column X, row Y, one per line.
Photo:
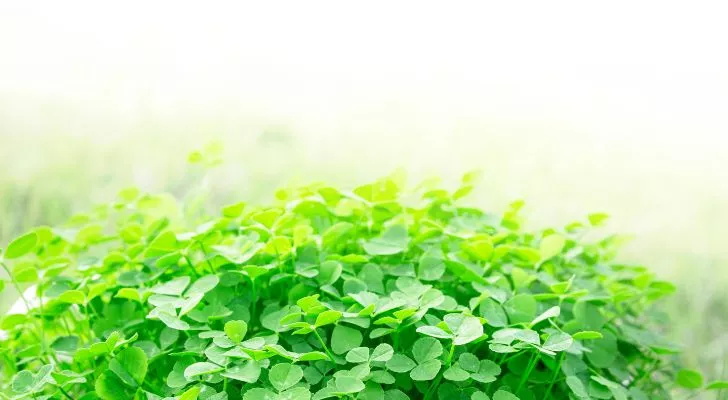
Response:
column 628, row 69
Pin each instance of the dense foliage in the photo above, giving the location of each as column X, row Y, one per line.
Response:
column 375, row 293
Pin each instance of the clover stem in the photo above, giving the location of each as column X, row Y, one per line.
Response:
column 65, row 393
column 553, row 377
column 189, row 262
column 326, row 349
column 452, row 352
column 43, row 343
column 88, row 321
column 254, row 301
column 17, row 286
column 531, row 365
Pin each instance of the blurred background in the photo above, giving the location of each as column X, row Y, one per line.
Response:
column 573, row 106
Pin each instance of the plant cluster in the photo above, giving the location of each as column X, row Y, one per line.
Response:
column 375, row 293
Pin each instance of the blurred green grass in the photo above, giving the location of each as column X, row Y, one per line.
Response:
column 668, row 193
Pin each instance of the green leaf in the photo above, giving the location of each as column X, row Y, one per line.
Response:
column 551, row 246
column 282, row 376
column 358, row 355
column 236, row 330
column 689, row 378
column 577, row 387
column 248, row 372
column 191, row 393
column 130, row 366
column 455, row 373
column 426, row 349
column 487, row 371
column 559, row 341
column 109, row 387
column 73, row 297
column 382, row 353
column 329, row 272
column 21, row 245
column 434, row 332
column 469, row 362
column 175, row 287
column 587, row 335
column 521, row 308
column 400, row 363
column 426, row 371
column 393, row 241
column 201, row 368
column 717, row 385
column 344, row 339
column 552, row 312
column 348, row 384
column 259, row 394
column 203, row 285
column 465, row 329
column 503, row 395
column 23, row 382
column 327, row 317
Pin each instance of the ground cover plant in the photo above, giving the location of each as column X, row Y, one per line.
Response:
column 380, row 292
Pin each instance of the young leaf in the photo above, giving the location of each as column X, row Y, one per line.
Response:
column 21, row 245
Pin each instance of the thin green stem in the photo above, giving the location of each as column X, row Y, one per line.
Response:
column 326, row 349
column 450, row 355
column 254, row 300
column 554, row 375
column 527, row 373
column 65, row 393
column 43, row 343
column 17, row 286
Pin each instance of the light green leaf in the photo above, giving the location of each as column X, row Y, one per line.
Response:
column 455, row 373
column 521, row 308
column 434, row 332
column 109, row 387
column 587, row 335
column 344, row 339
column 203, row 285
column 426, row 349
column 236, row 330
column 282, row 376
column 201, row 368
column 503, row 395
column 689, row 378
column 348, row 384
column 327, row 317
column 130, row 365
column 190, row 394
column 400, row 363
column 717, row 385
column 577, row 386
column 175, row 287
column 551, row 246
column 382, row 353
column 21, row 245
column 426, row 371
column 329, row 272
column 465, row 329
column 259, row 394
column 358, row 355
column 552, row 312
column 73, row 297
column 393, row 241
column 559, row 341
